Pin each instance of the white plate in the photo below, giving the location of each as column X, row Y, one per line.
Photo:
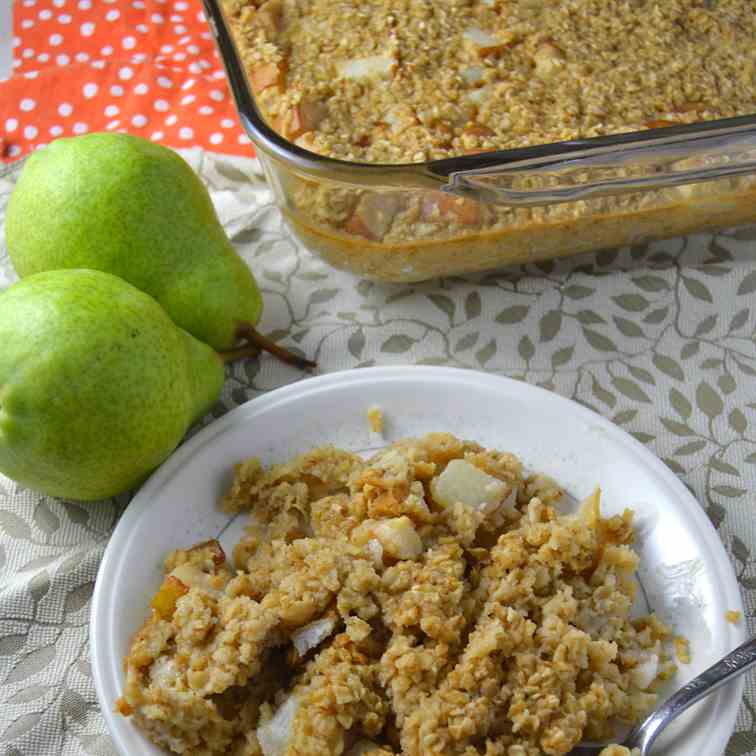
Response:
column 686, row 574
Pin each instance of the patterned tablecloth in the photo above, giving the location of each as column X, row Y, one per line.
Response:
column 659, row 337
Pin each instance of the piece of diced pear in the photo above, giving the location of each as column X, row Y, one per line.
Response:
column 164, row 601
column 398, row 537
column 363, row 68
column 646, row 671
column 274, row 735
column 462, row 482
column 313, row 634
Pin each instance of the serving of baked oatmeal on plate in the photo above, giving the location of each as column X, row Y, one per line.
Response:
column 309, row 591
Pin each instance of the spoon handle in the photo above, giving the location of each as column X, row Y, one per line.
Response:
column 735, row 663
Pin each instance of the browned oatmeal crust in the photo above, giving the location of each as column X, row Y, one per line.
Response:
column 430, row 601
column 387, row 81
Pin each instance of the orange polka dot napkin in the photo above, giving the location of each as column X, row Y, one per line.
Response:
column 148, row 67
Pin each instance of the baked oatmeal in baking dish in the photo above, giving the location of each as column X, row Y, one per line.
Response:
column 429, row 601
column 396, row 81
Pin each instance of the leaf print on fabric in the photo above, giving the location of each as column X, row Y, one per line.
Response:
column 356, row 343
column 514, row 314
column 681, row 405
column 708, row 400
column 322, row 295
column 467, row 342
column 738, row 421
column 39, row 586
column 711, row 363
column 31, row 664
column 12, row 525
column 397, row 344
column 526, row 348
column 724, row 467
column 748, row 284
column 445, row 304
column 726, row 384
column 45, row 519
column 39, row 562
column 631, row 390
column 599, row 341
column 641, row 374
column 11, row 644
column 675, row 466
column 73, row 706
column 21, row 726
column 578, row 292
column 628, row 327
column 656, row 316
column 27, row 695
column 669, row 366
column 692, row 447
column 739, row 320
column 549, row 325
column 706, row 325
column 740, row 550
column 650, row 283
column 676, row 427
column 78, row 514
column 486, row 353
column 97, row 745
column 588, row 317
column 742, row 744
column 625, row 416
column 631, row 302
column 562, row 356
column 602, row 394
column 472, row 305
column 697, row 289
column 78, row 598
column 689, row 350
column 730, row 492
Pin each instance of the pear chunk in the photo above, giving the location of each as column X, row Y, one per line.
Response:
column 273, row 735
column 462, row 482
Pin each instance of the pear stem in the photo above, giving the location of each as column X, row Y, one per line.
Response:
column 254, row 338
column 241, row 353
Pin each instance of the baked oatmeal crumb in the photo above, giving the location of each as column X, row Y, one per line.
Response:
column 377, row 607
column 733, row 616
column 370, row 80
column 375, row 418
column 682, row 650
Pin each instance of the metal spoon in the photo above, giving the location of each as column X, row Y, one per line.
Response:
column 643, row 736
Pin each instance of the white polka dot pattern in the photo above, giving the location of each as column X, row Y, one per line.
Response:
column 150, row 68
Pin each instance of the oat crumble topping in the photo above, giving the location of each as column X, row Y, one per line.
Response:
column 430, row 601
column 412, row 80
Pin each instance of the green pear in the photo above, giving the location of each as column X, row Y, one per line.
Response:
column 126, row 206
column 97, row 384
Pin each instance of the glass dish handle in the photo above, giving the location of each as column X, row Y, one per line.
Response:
column 653, row 163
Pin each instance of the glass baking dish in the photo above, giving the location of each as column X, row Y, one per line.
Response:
column 415, row 221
